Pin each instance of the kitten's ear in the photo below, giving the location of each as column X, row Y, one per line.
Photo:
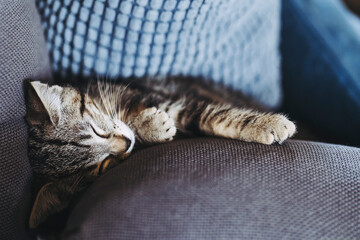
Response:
column 52, row 198
column 43, row 103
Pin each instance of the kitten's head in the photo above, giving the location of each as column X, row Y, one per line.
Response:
column 70, row 130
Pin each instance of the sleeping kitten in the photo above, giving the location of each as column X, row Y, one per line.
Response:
column 76, row 134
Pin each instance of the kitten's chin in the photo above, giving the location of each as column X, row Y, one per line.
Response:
column 110, row 162
column 107, row 162
column 123, row 156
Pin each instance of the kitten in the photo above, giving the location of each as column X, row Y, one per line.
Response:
column 76, row 134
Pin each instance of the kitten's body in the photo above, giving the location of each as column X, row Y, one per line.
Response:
column 72, row 132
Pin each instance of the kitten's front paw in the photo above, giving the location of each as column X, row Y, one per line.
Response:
column 154, row 126
column 274, row 128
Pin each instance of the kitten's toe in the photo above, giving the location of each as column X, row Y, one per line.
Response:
column 149, row 111
column 170, row 133
column 273, row 128
column 162, row 116
column 169, row 122
column 282, row 128
column 289, row 130
column 169, row 129
column 265, row 138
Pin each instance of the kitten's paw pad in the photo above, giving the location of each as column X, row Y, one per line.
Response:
column 275, row 128
column 156, row 126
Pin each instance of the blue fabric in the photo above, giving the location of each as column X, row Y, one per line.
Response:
column 321, row 66
column 229, row 41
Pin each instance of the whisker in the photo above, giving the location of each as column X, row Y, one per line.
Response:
column 102, row 97
column 117, row 99
column 121, row 99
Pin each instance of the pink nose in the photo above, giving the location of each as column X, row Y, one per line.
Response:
column 119, row 145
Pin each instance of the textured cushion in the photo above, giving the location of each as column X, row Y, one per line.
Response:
column 321, row 71
column 22, row 55
column 229, row 41
column 210, row 188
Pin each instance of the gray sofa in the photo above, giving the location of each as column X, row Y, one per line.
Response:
column 198, row 188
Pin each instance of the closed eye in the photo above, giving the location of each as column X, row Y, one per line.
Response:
column 100, row 132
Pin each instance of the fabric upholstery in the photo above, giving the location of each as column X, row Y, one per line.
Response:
column 211, row 188
column 22, row 55
column 229, row 41
column 321, row 71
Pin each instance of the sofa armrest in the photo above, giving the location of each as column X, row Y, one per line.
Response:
column 211, row 188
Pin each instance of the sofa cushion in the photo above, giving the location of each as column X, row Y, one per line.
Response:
column 321, row 71
column 22, row 55
column 230, row 41
column 211, row 188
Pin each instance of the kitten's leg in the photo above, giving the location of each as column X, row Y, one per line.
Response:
column 227, row 121
column 247, row 125
column 153, row 126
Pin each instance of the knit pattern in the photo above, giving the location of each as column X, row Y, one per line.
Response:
column 230, row 41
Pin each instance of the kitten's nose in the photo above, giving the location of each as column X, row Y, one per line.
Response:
column 119, row 145
column 128, row 143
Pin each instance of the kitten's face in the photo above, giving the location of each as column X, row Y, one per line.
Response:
column 69, row 131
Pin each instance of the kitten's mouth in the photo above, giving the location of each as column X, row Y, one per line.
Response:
column 119, row 156
column 104, row 165
column 110, row 162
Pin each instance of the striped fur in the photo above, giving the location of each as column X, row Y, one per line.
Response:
column 74, row 130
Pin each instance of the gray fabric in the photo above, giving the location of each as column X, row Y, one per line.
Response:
column 22, row 55
column 15, row 179
column 208, row 188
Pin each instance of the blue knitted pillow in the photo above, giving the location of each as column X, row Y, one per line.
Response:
column 230, row 41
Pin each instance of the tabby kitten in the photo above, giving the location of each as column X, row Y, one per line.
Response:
column 75, row 134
